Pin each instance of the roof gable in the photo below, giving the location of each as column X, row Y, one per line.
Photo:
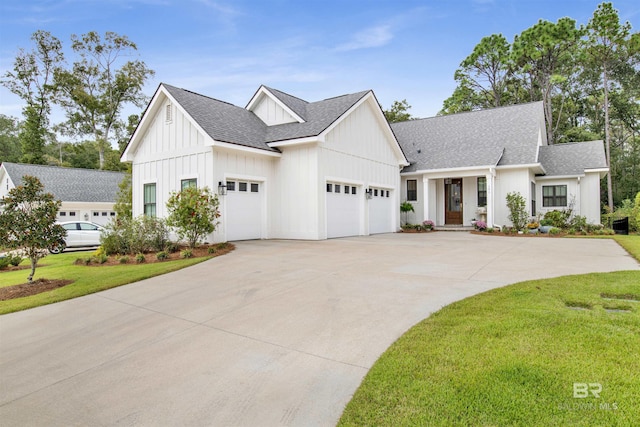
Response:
column 274, row 107
column 70, row 184
column 572, row 158
column 494, row 137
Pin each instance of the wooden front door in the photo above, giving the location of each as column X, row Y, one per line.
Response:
column 453, row 201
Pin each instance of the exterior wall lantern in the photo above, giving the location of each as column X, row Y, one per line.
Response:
column 222, row 188
column 369, row 193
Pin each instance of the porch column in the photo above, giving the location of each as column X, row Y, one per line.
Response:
column 425, row 197
column 490, row 216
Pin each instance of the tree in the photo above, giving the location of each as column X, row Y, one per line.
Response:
column 124, row 199
column 606, row 49
column 545, row 52
column 193, row 212
column 405, row 208
column 487, row 70
column 94, row 92
column 31, row 79
column 10, row 150
column 517, row 210
column 398, row 112
column 28, row 221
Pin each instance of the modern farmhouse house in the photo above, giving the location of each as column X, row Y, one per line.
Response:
column 86, row 194
column 464, row 165
column 291, row 169
column 283, row 167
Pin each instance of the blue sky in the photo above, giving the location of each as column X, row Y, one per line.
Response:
column 402, row 49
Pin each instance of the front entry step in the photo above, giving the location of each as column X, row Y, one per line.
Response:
column 454, row 228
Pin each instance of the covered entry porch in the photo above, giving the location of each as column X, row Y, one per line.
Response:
column 452, row 197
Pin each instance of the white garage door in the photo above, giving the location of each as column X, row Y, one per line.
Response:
column 380, row 211
column 343, row 210
column 243, row 210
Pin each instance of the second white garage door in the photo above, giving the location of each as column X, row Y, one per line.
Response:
column 343, row 210
column 244, row 210
column 380, row 211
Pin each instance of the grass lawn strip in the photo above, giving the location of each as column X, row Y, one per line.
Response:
column 511, row 356
column 86, row 279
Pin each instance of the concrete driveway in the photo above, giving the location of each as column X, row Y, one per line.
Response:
column 275, row 333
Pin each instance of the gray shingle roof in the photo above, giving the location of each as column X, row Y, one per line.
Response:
column 498, row 136
column 70, row 184
column 572, row 158
column 228, row 123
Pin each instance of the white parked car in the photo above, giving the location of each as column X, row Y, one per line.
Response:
column 80, row 234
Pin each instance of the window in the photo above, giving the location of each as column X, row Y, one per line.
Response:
column 242, row 186
column 96, row 214
column 412, row 190
column 112, row 214
column 254, row 187
column 150, row 200
column 104, row 214
column 346, row 189
column 167, row 113
column 231, row 186
column 329, row 187
column 188, row 183
column 72, row 226
column 533, row 199
column 337, row 188
column 63, row 214
column 72, row 213
column 387, row 193
column 375, row 192
column 554, row 195
column 353, row 190
column 482, row 191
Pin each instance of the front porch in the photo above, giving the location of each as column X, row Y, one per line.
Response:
column 451, row 200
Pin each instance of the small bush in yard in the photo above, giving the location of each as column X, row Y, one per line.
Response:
column 4, row 263
column 140, row 258
column 186, row 253
column 123, row 260
column 161, row 256
column 193, row 213
column 15, row 260
column 555, row 231
column 100, row 259
column 211, row 250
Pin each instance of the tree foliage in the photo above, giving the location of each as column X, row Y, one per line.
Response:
column 588, row 77
column 32, row 80
column 28, row 221
column 95, row 90
column 10, row 150
column 399, row 112
column 194, row 213
column 517, row 210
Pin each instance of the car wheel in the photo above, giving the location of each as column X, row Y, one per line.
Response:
column 56, row 249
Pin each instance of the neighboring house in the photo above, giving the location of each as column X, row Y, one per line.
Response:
column 284, row 168
column 86, row 194
column 463, row 166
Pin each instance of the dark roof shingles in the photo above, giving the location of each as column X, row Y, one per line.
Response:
column 572, row 158
column 70, row 184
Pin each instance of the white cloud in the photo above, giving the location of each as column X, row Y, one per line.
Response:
column 370, row 37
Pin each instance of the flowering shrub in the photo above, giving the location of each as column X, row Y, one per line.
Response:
column 194, row 214
column 481, row 225
column 428, row 224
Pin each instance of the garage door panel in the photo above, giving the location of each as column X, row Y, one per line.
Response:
column 244, row 210
column 380, row 212
column 343, row 210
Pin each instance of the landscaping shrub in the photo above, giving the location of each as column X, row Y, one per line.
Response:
column 4, row 263
column 557, row 218
column 135, row 235
column 517, row 210
column 161, row 256
column 211, row 250
column 140, row 258
column 578, row 223
column 186, row 253
column 193, row 213
column 100, row 259
column 14, row 259
column 555, row 231
column 123, row 260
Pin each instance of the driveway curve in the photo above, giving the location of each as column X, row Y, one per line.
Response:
column 275, row 333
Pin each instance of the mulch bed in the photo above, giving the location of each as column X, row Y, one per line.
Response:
column 525, row 234
column 33, row 288
column 43, row 285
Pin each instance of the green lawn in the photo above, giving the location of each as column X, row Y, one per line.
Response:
column 511, row 356
column 87, row 279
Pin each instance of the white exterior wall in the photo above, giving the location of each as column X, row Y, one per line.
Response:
column 294, row 194
column 508, row 181
column 271, row 112
column 359, row 152
column 590, row 197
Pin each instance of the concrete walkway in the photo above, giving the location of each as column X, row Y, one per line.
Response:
column 275, row 333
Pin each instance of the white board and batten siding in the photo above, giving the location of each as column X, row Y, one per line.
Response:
column 271, row 112
column 358, row 152
column 170, row 151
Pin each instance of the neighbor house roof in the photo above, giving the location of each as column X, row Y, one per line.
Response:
column 70, row 184
column 225, row 122
column 498, row 136
column 572, row 158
